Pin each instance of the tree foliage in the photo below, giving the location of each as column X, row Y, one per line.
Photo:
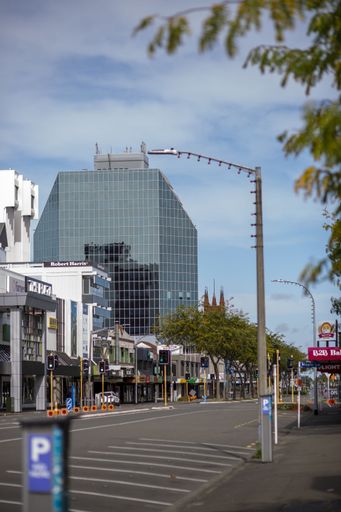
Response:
column 320, row 133
column 222, row 334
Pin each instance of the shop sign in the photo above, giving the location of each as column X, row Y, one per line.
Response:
column 36, row 286
column 329, row 368
column 52, row 323
column 326, row 330
column 324, row 354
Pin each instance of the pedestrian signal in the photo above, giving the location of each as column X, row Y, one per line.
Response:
column 204, row 362
column 85, row 365
column 164, row 357
column 51, row 362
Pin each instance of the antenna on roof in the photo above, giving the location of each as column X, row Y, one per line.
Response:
column 97, row 149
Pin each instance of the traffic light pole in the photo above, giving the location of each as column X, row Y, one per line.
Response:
column 165, row 383
column 51, row 388
column 81, row 381
column 103, row 388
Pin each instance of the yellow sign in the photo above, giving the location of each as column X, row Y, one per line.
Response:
column 52, row 323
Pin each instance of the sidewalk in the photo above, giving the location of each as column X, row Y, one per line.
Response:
column 305, row 475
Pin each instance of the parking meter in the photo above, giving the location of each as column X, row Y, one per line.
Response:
column 44, row 460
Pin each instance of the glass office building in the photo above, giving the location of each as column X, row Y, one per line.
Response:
column 127, row 218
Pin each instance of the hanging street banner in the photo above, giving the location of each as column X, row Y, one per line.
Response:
column 324, row 354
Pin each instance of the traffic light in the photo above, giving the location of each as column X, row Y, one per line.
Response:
column 204, row 362
column 56, row 361
column 85, row 365
column 290, row 363
column 164, row 357
column 106, row 365
column 51, row 362
column 101, row 367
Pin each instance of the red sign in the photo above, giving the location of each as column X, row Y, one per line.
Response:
column 324, row 354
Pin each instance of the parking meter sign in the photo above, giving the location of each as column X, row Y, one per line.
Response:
column 40, row 463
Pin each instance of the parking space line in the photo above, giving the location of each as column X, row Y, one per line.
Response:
column 118, row 497
column 133, row 484
column 172, row 451
column 156, row 464
column 163, row 457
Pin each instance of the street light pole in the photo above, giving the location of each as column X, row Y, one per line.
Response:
column 265, row 434
column 313, row 317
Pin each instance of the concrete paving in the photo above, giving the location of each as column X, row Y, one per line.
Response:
column 305, row 475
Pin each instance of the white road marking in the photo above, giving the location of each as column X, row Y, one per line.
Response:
column 133, row 484
column 171, row 451
column 7, row 502
column 127, row 498
column 229, row 446
column 163, row 457
column 193, row 447
column 168, row 476
column 6, row 484
column 189, row 468
column 10, row 440
column 93, row 415
column 123, row 423
column 246, row 423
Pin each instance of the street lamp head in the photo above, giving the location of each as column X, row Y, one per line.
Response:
column 168, row 151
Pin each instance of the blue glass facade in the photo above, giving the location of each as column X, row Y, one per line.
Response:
column 131, row 222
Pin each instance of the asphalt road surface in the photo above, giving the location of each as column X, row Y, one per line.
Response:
column 142, row 458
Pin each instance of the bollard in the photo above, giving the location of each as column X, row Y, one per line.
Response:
column 86, row 408
column 104, row 407
column 94, row 408
column 111, row 407
column 44, row 460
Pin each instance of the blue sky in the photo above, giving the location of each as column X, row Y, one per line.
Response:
column 73, row 76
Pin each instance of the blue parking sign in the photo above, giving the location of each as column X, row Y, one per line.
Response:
column 266, row 405
column 40, row 463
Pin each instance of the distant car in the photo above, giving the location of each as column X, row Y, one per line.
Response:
column 110, row 397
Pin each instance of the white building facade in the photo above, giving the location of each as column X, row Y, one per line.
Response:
column 18, row 207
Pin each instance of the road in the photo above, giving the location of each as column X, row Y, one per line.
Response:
column 141, row 458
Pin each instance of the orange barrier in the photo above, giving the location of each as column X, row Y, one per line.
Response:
column 86, row 408
column 331, row 402
column 104, row 407
column 111, row 407
column 56, row 412
column 63, row 412
column 50, row 412
column 94, row 408
column 76, row 409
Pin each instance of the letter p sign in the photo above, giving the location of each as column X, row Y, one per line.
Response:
column 40, row 463
column 40, row 446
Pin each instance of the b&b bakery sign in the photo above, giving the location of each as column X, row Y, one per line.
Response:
column 324, row 354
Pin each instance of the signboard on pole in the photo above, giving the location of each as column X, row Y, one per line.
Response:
column 326, row 331
column 39, row 463
column 324, row 354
